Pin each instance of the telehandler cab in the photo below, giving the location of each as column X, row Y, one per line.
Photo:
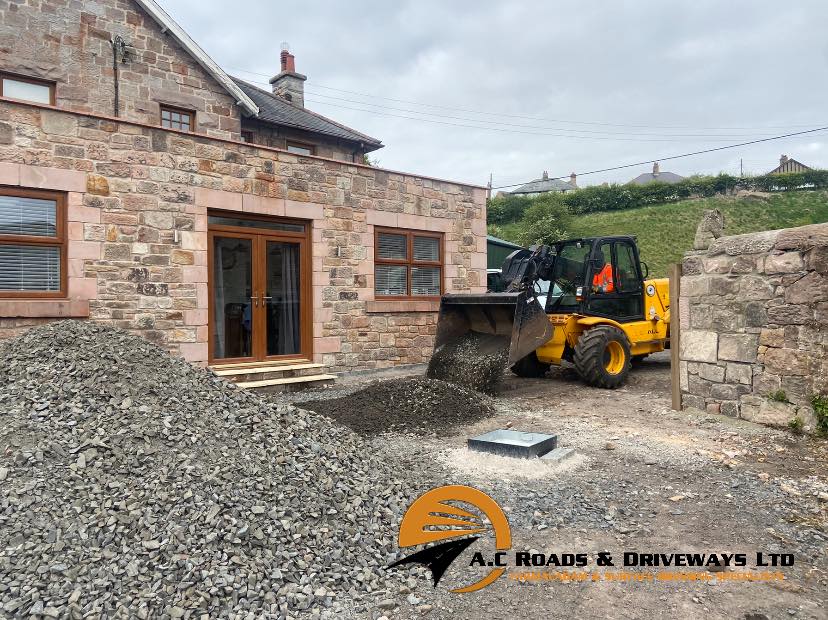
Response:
column 601, row 314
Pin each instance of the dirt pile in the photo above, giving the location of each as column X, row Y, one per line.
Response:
column 412, row 405
column 476, row 361
column 136, row 485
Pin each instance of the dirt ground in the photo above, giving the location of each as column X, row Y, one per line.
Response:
column 643, row 479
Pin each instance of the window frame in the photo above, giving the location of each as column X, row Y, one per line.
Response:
column 300, row 145
column 176, row 110
column 409, row 262
column 51, row 85
column 59, row 240
column 247, row 136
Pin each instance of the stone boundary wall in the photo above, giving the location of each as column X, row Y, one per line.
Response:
column 138, row 197
column 753, row 313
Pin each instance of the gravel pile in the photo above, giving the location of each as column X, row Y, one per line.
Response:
column 411, row 405
column 475, row 361
column 136, row 485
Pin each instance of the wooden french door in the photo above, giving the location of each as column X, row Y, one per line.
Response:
column 259, row 290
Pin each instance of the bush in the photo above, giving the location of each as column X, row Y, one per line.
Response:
column 507, row 209
column 545, row 221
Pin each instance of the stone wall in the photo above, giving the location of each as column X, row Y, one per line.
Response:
column 69, row 42
column 753, row 314
column 138, row 197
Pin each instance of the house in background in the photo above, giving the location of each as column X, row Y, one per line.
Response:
column 545, row 185
column 788, row 164
column 656, row 176
column 143, row 187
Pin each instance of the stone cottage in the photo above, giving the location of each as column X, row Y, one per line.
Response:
column 142, row 186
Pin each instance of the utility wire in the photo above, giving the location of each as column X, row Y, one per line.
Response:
column 710, row 150
column 533, row 118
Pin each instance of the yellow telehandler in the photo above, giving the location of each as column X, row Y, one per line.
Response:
column 583, row 301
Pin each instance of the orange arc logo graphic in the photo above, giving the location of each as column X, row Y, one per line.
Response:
column 431, row 511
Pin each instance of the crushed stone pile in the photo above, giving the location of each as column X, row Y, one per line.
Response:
column 137, row 485
column 412, row 405
column 476, row 361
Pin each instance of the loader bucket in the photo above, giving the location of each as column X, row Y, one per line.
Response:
column 517, row 317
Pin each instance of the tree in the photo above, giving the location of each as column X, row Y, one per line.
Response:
column 545, row 221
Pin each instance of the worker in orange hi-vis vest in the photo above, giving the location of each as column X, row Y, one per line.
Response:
column 602, row 281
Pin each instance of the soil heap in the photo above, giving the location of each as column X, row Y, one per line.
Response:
column 416, row 405
column 476, row 361
column 135, row 484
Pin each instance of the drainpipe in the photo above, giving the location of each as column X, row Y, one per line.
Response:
column 118, row 56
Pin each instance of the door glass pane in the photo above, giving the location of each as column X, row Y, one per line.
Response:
column 627, row 269
column 281, row 303
column 232, row 291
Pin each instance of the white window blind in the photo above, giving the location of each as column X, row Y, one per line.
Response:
column 27, row 91
column 426, row 249
column 425, row 280
column 393, row 247
column 391, row 280
column 31, row 217
column 29, row 268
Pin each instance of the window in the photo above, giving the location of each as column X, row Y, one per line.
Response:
column 32, row 243
column 247, row 136
column 407, row 263
column 27, row 89
column 299, row 148
column 175, row 118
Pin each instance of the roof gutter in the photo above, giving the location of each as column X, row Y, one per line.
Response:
column 169, row 25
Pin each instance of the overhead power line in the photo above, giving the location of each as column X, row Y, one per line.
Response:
column 648, row 161
column 531, row 118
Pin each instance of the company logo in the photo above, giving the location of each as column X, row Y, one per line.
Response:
column 436, row 516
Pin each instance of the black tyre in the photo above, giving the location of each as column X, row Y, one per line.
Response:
column 602, row 357
column 637, row 359
column 530, row 367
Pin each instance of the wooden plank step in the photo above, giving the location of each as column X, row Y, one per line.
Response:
column 285, row 381
column 247, row 370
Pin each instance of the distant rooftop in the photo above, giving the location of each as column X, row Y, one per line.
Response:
column 545, row 184
column 657, row 176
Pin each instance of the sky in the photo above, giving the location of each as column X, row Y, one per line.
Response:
column 463, row 89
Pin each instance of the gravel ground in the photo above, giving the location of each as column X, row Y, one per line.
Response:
column 412, row 404
column 136, row 485
column 644, row 479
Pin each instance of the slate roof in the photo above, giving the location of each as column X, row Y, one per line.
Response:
column 661, row 177
column 273, row 109
column 540, row 186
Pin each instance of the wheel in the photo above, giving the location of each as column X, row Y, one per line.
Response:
column 530, row 367
column 602, row 357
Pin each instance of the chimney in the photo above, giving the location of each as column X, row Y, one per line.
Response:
column 656, row 170
column 783, row 159
column 545, row 176
column 289, row 85
column 573, row 179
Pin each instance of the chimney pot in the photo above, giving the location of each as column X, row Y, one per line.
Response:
column 783, row 159
column 573, row 179
column 545, row 176
column 288, row 61
column 656, row 169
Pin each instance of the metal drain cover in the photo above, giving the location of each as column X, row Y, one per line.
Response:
column 516, row 444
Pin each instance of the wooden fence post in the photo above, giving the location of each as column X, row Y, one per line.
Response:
column 675, row 335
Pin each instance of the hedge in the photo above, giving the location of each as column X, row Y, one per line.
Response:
column 616, row 197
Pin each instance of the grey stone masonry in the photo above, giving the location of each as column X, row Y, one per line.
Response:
column 754, row 342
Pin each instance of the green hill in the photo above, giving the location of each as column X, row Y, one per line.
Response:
column 666, row 231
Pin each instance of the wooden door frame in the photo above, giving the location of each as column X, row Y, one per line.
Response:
column 260, row 237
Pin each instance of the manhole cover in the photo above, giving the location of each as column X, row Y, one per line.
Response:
column 517, row 444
